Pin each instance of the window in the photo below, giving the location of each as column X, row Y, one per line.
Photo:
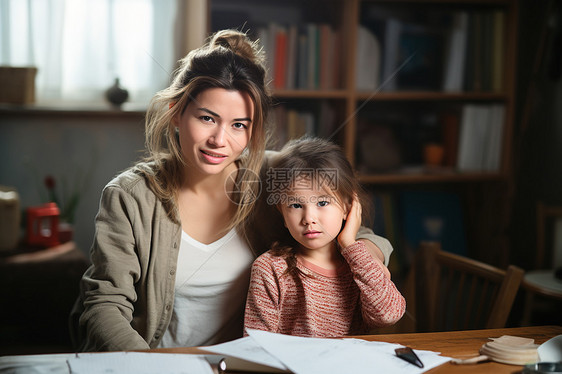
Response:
column 81, row 46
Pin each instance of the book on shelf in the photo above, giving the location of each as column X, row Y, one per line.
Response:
column 480, row 138
column 312, row 57
column 450, row 139
column 394, row 141
column 291, row 63
column 325, row 60
column 291, row 123
column 471, row 138
column 494, row 143
column 390, row 54
column 485, row 51
column 419, row 64
column 262, row 34
column 280, row 58
column 498, row 51
column 302, row 63
column 368, row 61
column 464, row 53
column 486, row 56
column 472, row 141
column 470, row 63
column 412, row 55
column 326, row 126
column 301, row 56
column 455, row 57
column 279, row 128
column 299, row 123
column 337, row 48
column 295, row 125
column 278, row 45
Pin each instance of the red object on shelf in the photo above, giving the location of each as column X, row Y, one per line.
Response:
column 43, row 225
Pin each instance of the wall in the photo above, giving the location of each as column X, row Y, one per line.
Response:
column 66, row 145
column 538, row 151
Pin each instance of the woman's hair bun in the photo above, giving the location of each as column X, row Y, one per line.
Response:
column 239, row 43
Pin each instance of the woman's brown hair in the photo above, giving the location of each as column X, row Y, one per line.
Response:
column 229, row 60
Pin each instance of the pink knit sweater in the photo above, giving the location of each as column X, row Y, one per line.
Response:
column 346, row 301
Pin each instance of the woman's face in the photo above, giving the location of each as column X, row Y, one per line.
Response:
column 214, row 129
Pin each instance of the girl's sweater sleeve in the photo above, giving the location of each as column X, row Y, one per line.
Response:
column 381, row 302
column 262, row 303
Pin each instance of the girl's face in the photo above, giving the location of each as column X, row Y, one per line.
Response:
column 214, row 129
column 313, row 216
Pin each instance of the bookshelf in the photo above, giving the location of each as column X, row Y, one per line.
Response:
column 405, row 73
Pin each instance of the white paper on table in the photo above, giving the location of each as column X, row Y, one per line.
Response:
column 335, row 356
column 36, row 364
column 138, row 363
column 247, row 349
column 430, row 359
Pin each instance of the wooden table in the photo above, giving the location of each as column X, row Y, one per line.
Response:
column 456, row 344
column 464, row 344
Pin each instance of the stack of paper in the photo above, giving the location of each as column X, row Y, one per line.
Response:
column 512, row 350
column 285, row 353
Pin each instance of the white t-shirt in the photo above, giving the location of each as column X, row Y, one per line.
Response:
column 210, row 293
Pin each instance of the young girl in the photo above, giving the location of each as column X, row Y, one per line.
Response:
column 319, row 282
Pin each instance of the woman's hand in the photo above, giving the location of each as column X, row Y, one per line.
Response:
column 352, row 224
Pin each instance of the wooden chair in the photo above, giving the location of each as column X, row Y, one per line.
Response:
column 458, row 293
column 545, row 214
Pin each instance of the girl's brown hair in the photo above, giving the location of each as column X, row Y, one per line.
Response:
column 326, row 163
column 229, row 60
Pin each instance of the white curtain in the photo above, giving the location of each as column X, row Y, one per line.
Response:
column 81, row 46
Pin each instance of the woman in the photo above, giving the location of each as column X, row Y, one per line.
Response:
column 174, row 234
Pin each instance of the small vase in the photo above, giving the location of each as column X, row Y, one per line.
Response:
column 433, row 154
column 116, row 94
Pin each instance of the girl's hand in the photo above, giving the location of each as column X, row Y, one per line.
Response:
column 352, row 224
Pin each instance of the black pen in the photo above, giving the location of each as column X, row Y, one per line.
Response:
column 408, row 354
